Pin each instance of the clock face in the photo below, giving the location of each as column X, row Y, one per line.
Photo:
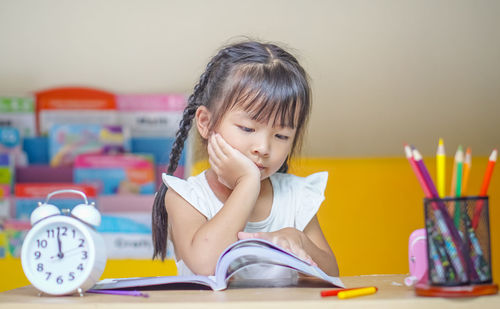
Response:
column 57, row 256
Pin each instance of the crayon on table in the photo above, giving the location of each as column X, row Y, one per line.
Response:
column 357, row 292
column 327, row 293
column 441, row 168
column 484, row 187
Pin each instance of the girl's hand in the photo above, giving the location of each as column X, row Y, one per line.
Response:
column 229, row 164
column 289, row 239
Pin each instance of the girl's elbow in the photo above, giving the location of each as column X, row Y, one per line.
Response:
column 201, row 267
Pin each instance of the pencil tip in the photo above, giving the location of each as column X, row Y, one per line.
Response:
column 493, row 156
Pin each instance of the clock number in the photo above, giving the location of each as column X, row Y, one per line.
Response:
column 50, row 233
column 82, row 241
column 48, row 275
column 74, row 232
column 71, row 276
column 84, row 257
column 39, row 267
column 38, row 254
column 59, row 280
column 65, row 230
column 42, row 243
column 80, row 267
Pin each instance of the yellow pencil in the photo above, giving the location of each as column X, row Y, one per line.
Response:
column 467, row 167
column 357, row 292
column 441, row 168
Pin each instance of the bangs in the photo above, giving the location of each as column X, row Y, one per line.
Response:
column 268, row 93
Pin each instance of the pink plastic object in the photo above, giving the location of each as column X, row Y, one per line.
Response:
column 417, row 255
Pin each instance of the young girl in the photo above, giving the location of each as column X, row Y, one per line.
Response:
column 251, row 106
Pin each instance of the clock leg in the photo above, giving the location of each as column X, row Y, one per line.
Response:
column 80, row 291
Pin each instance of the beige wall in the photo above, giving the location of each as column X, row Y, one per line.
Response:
column 383, row 72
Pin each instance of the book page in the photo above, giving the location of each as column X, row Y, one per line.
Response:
column 244, row 255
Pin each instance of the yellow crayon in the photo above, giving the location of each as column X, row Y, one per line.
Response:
column 357, row 292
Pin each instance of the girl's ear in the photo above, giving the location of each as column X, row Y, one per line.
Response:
column 203, row 117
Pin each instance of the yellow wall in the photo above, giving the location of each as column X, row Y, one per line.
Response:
column 371, row 207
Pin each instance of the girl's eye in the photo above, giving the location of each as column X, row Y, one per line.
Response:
column 282, row 137
column 245, row 129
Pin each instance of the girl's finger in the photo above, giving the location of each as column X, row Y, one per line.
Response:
column 245, row 235
column 214, row 165
column 216, row 147
column 284, row 244
column 210, row 150
column 224, row 146
column 212, row 156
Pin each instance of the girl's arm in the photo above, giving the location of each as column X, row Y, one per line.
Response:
column 198, row 241
column 319, row 249
column 309, row 245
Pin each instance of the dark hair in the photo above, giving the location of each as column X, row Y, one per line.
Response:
column 264, row 80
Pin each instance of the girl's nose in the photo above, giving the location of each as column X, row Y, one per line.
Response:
column 261, row 147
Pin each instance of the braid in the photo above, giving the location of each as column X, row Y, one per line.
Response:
column 159, row 214
column 194, row 101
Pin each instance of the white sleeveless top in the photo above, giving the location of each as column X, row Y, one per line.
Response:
column 295, row 202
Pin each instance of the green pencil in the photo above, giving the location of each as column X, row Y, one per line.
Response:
column 459, row 160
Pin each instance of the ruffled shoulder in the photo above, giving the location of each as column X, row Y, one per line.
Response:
column 309, row 194
column 186, row 189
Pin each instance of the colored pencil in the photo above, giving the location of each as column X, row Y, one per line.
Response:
column 484, row 187
column 119, row 292
column 466, row 171
column 413, row 164
column 459, row 161
column 445, row 225
column 441, row 168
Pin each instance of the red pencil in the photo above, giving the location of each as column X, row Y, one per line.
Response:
column 417, row 172
column 484, row 187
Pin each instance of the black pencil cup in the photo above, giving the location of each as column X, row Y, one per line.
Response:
column 458, row 241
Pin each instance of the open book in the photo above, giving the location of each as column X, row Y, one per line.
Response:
column 256, row 255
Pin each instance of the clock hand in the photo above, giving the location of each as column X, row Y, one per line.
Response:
column 71, row 250
column 60, row 254
column 68, row 252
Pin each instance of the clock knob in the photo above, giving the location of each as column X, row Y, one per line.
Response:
column 87, row 213
column 43, row 211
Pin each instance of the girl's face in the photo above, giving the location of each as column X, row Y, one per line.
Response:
column 267, row 146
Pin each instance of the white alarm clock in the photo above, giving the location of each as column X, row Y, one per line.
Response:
column 63, row 254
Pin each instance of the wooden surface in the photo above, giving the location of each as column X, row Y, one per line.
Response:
column 391, row 294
